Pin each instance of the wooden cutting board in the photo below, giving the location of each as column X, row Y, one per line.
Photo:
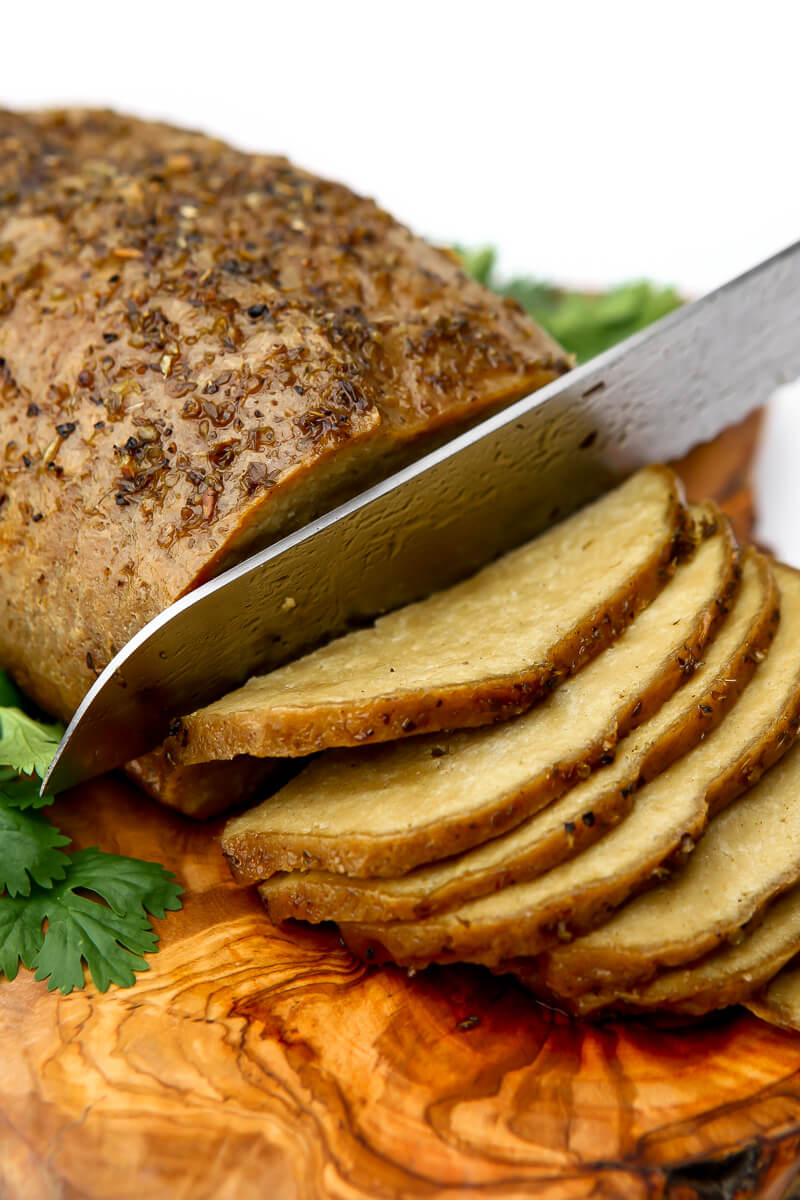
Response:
column 252, row 1062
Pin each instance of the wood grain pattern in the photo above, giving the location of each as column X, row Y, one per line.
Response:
column 254, row 1062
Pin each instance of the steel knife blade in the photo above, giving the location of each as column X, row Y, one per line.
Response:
column 651, row 398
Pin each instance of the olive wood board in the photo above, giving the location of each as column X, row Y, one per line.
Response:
column 260, row 1062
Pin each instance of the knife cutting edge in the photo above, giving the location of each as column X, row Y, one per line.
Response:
column 652, row 397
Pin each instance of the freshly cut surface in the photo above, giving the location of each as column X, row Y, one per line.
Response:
column 746, row 856
column 559, row 832
column 199, row 350
column 779, row 1003
column 730, row 975
column 664, row 824
column 471, row 654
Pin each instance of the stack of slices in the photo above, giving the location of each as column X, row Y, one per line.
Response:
column 585, row 774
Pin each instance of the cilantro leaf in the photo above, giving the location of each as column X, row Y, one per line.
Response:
column 25, row 744
column 109, row 938
column 126, row 884
column 80, row 930
column 29, row 851
column 10, row 696
column 19, row 792
column 21, row 934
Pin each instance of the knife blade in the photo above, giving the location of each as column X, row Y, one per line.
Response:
column 652, row 397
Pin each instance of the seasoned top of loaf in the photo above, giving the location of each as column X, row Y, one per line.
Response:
column 200, row 348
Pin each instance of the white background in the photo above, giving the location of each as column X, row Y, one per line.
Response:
column 589, row 142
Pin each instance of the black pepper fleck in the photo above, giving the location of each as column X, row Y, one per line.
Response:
column 65, row 429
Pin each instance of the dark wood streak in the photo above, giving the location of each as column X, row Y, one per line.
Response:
column 255, row 1062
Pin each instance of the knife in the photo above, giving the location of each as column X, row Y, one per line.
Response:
column 652, row 397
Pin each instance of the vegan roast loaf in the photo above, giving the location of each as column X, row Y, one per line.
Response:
column 199, row 350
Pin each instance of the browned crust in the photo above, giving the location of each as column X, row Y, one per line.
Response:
column 542, row 932
column 293, row 731
column 328, row 897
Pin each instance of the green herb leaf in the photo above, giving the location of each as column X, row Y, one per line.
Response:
column 585, row 323
column 110, row 938
column 10, row 696
column 126, row 884
column 21, row 792
column 27, row 745
column 29, row 851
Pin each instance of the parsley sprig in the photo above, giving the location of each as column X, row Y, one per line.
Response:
column 59, row 910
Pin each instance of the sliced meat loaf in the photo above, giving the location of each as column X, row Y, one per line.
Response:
column 748, row 854
column 730, row 975
column 779, row 1002
column 587, row 811
column 668, row 816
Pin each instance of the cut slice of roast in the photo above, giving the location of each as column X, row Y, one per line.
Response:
column 665, row 821
column 560, row 831
column 779, row 1003
column 474, row 653
column 747, row 855
column 729, row 975
column 382, row 810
